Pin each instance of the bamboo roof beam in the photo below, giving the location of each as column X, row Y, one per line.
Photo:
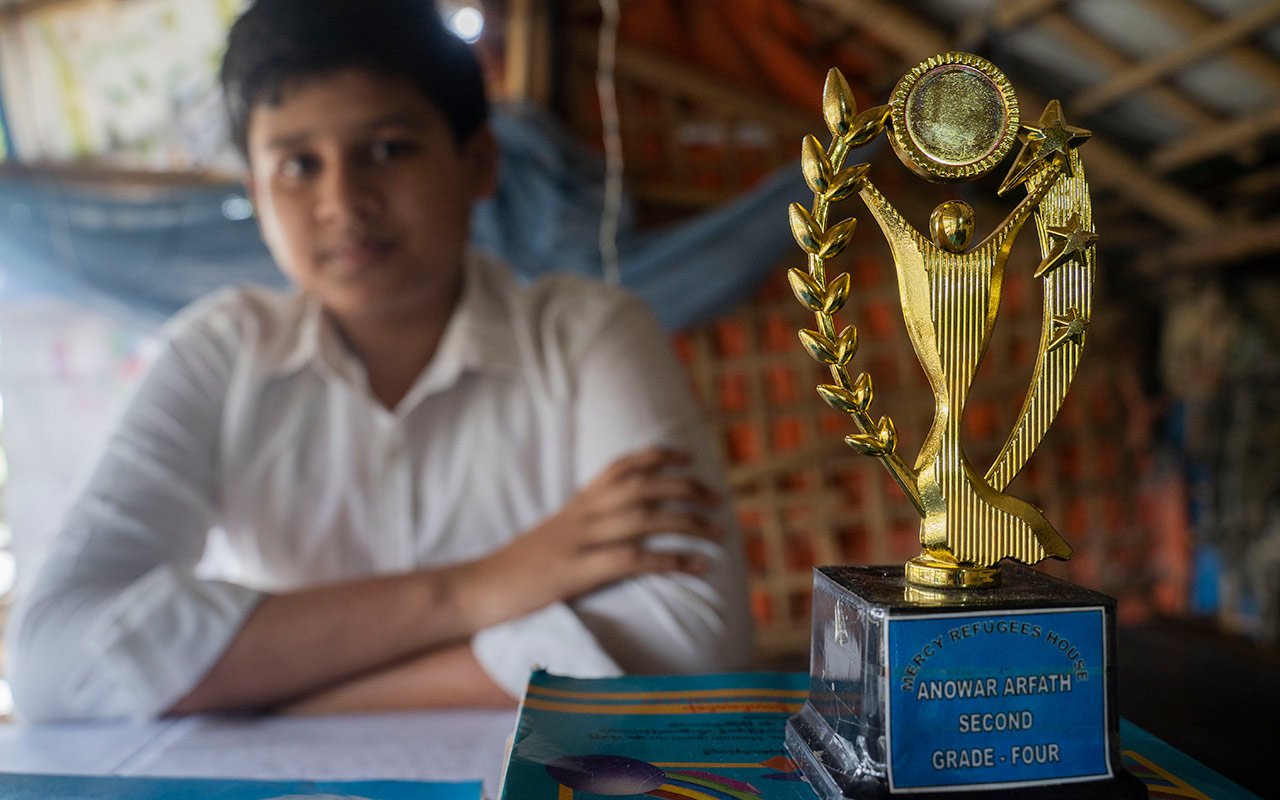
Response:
column 1220, row 140
column 1092, row 48
column 1110, row 168
column 1131, row 234
column 119, row 182
column 1233, row 243
column 528, row 61
column 1198, row 47
column 666, row 73
column 14, row 10
column 898, row 29
column 1255, row 183
column 1245, row 57
column 1010, row 14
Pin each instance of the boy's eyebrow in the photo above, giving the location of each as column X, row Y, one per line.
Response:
column 290, row 140
column 402, row 118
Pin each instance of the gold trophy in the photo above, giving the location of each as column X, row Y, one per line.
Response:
column 956, row 674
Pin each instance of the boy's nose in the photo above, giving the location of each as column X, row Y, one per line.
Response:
column 346, row 195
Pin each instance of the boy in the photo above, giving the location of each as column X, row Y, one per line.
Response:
column 409, row 481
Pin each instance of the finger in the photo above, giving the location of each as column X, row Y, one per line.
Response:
column 688, row 563
column 607, row 564
column 643, row 461
column 611, row 564
column 654, row 489
column 637, row 523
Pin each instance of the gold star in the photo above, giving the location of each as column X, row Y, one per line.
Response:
column 1068, row 327
column 1071, row 239
column 1049, row 141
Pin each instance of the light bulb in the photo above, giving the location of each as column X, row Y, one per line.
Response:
column 467, row 24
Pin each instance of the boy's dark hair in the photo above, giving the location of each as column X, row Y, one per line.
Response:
column 278, row 41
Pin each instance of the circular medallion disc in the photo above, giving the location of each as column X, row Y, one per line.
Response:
column 955, row 116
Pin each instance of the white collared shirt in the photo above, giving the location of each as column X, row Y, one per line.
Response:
column 254, row 459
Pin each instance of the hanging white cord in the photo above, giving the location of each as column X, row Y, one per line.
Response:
column 611, row 213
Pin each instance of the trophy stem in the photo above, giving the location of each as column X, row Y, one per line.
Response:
column 925, row 570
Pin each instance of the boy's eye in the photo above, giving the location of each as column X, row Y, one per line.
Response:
column 299, row 166
column 391, row 149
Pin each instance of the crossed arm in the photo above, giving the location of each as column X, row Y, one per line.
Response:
column 401, row 641
column 118, row 623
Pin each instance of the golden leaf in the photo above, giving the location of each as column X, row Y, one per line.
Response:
column 838, row 105
column 887, row 434
column 846, row 345
column 868, row 125
column 837, row 397
column 866, row 445
column 847, row 182
column 806, row 289
column 803, row 227
column 882, row 443
column 837, row 294
column 837, row 238
column 863, row 392
column 820, row 347
column 815, row 165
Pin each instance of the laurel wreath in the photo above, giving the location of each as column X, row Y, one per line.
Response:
column 831, row 182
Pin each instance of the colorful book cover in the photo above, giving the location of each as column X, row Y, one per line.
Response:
column 97, row 787
column 1171, row 774
column 671, row 737
column 719, row 737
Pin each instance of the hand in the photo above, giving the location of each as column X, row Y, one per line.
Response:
column 600, row 536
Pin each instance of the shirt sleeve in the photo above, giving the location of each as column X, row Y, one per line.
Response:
column 631, row 393
column 115, row 623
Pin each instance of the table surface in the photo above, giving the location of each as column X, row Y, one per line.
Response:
column 463, row 745
column 428, row 745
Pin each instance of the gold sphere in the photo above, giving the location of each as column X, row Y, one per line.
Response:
column 951, row 225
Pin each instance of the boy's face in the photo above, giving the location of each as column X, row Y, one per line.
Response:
column 363, row 195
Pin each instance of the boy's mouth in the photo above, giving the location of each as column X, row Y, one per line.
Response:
column 358, row 255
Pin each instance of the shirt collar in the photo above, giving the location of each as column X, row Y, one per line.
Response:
column 479, row 335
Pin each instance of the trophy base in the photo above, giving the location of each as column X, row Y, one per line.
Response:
column 1006, row 692
column 823, row 759
column 924, row 570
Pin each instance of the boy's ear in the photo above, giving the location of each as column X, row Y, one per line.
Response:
column 250, row 187
column 481, row 154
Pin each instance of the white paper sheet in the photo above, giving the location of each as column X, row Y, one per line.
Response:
column 75, row 748
column 438, row 745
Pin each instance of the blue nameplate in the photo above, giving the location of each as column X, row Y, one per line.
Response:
column 996, row 699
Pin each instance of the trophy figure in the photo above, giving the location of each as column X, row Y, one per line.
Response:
column 956, row 673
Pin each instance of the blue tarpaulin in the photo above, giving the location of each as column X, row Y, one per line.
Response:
column 150, row 255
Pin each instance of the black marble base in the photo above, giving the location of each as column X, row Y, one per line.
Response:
column 840, row 739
